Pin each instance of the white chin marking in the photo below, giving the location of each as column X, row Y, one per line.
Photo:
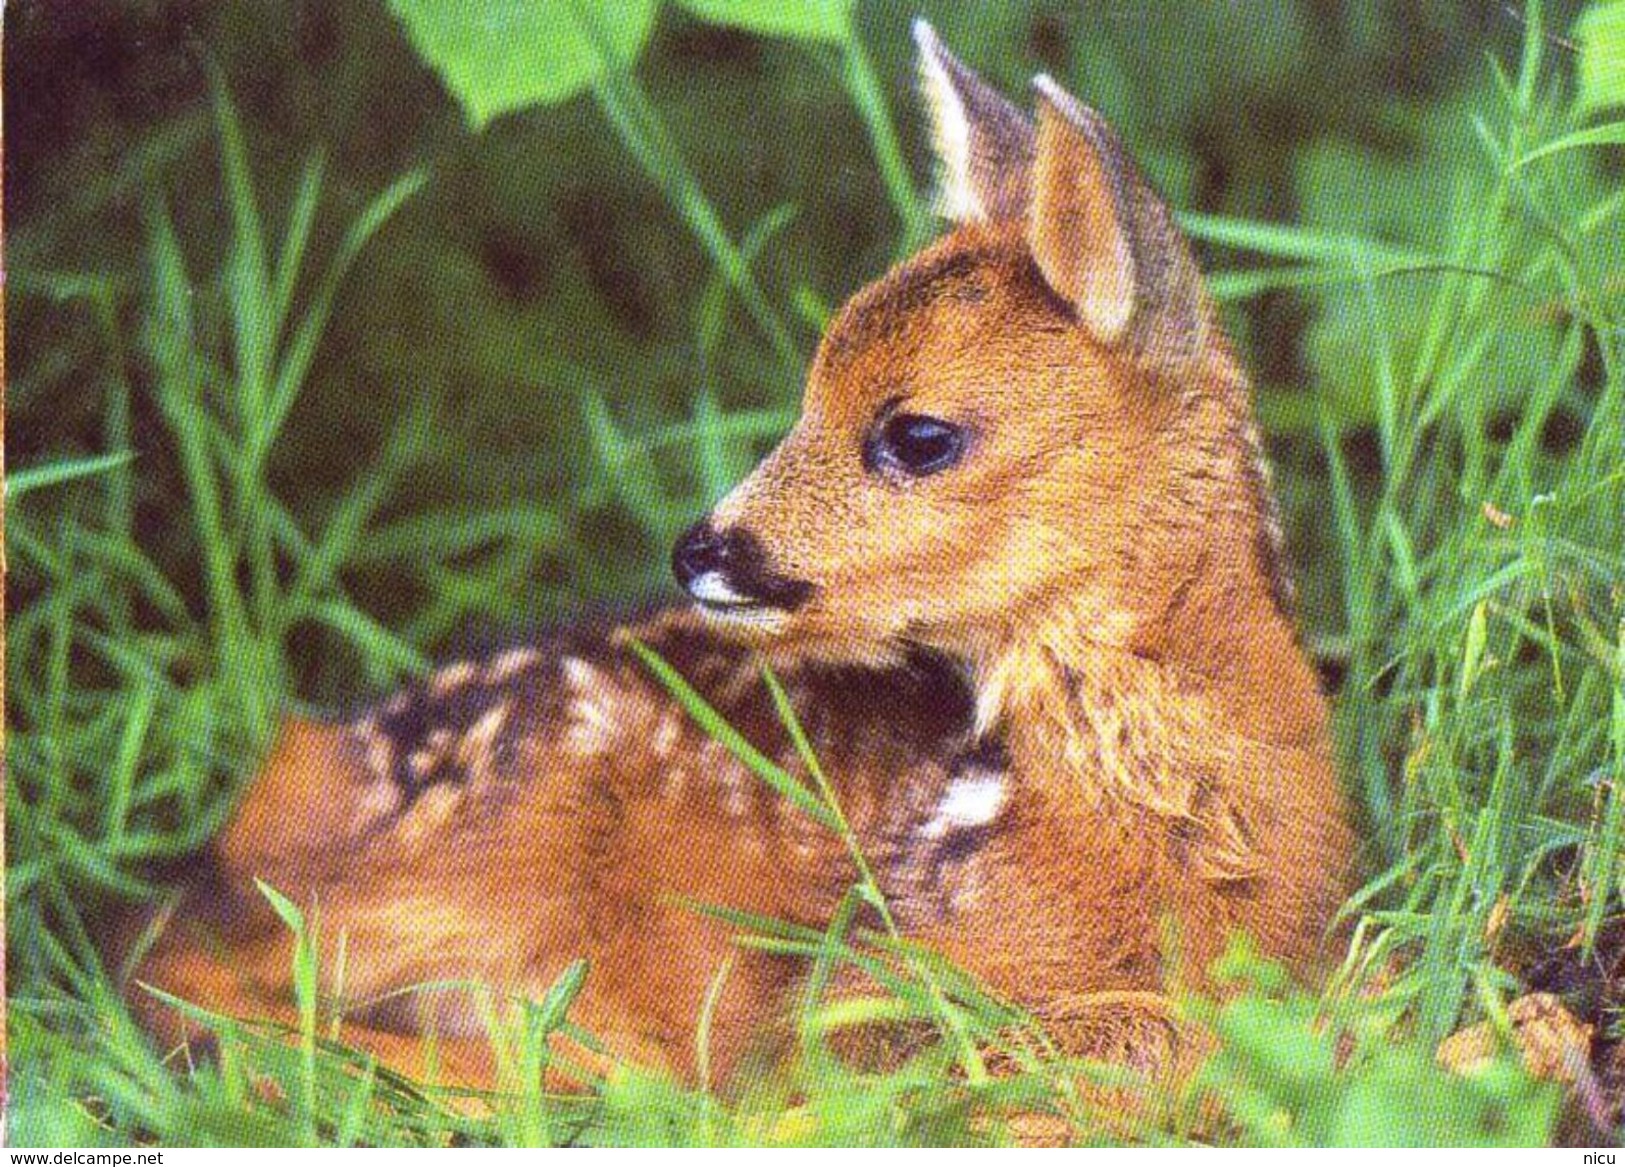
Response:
column 712, row 588
column 769, row 620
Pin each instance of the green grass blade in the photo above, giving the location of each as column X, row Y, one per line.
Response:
column 301, row 350
column 715, row 725
column 383, row 650
column 291, row 258
column 247, row 268
column 21, row 482
column 1608, row 134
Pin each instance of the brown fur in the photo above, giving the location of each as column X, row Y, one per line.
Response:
column 1055, row 689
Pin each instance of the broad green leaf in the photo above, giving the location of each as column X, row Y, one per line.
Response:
column 1601, row 33
column 501, row 55
column 807, row 20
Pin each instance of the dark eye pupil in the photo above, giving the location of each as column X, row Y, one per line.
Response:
column 918, row 444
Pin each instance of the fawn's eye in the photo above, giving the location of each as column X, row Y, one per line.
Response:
column 913, row 444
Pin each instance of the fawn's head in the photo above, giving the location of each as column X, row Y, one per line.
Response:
column 1038, row 410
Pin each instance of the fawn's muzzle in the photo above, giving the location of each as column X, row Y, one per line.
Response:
column 728, row 571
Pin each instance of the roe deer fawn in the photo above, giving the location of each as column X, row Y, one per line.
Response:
column 1019, row 568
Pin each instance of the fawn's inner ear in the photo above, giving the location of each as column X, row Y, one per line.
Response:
column 1105, row 242
column 1076, row 225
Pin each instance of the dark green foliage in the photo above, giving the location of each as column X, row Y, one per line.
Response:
column 311, row 381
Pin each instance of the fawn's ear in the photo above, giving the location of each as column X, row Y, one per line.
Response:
column 1105, row 242
column 983, row 144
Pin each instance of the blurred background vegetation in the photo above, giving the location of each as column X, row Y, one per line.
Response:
column 540, row 276
column 316, row 375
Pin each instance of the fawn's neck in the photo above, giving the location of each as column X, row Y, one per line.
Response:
column 1114, row 703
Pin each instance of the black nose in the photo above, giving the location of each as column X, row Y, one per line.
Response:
column 701, row 549
column 744, row 577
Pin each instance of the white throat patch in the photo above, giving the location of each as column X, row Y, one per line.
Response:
column 972, row 800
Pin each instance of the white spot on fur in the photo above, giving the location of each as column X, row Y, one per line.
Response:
column 515, row 660
column 380, row 754
column 375, row 800
column 955, row 198
column 452, row 677
column 713, row 758
column 734, row 800
column 668, row 732
column 474, row 751
column 580, row 675
column 432, row 809
column 721, row 773
column 676, row 784
column 487, row 727
column 593, row 730
column 971, row 801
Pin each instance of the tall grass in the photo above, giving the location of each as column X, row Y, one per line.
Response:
column 1481, row 572
column 1480, row 636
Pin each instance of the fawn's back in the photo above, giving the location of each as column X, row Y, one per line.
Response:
column 1018, row 567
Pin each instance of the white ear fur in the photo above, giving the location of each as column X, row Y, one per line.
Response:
column 954, row 198
column 983, row 143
